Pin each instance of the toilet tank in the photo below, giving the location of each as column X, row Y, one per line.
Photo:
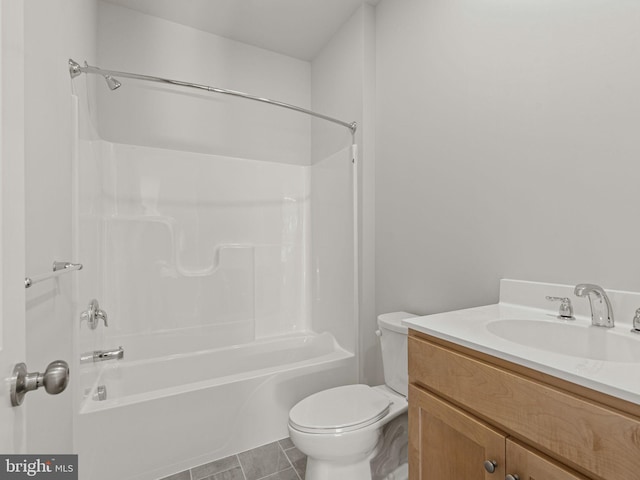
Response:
column 393, row 343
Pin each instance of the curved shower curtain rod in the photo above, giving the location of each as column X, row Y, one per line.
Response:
column 76, row 69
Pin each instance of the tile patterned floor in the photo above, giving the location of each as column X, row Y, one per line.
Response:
column 276, row 461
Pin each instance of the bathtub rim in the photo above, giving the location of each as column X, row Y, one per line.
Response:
column 336, row 354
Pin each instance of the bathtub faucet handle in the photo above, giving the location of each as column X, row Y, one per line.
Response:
column 102, row 315
column 93, row 314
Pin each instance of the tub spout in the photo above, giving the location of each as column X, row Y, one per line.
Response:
column 102, row 355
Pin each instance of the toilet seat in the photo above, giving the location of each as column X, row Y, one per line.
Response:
column 339, row 410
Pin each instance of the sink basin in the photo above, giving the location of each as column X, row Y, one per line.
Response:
column 575, row 340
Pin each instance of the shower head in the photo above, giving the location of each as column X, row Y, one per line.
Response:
column 112, row 83
column 75, row 69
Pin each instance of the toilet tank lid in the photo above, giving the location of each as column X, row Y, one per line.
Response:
column 393, row 321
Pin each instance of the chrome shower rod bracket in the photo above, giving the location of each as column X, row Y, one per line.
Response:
column 76, row 69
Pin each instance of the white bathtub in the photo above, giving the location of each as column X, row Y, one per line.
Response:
column 191, row 408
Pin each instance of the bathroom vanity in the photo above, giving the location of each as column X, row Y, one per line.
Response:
column 482, row 406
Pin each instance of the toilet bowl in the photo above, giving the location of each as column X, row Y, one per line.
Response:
column 340, row 429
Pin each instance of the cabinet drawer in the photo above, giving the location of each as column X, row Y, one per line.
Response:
column 590, row 437
column 529, row 465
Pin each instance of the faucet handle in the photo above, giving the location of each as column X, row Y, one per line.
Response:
column 566, row 309
column 636, row 322
column 93, row 314
column 101, row 315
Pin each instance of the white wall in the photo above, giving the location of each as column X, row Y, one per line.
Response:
column 145, row 114
column 54, row 31
column 507, row 146
column 343, row 86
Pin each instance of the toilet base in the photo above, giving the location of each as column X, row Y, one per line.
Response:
column 324, row 470
column 338, row 457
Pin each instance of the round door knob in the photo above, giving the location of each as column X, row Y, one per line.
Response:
column 54, row 380
column 490, row 465
column 56, row 377
column 512, row 477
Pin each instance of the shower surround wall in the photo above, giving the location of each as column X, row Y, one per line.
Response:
column 203, row 241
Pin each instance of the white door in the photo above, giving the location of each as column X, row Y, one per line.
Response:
column 12, row 245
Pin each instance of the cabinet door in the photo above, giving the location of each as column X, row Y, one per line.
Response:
column 446, row 443
column 530, row 465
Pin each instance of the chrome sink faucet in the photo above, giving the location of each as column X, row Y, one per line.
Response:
column 601, row 311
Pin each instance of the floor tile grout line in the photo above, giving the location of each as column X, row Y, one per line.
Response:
column 244, row 475
column 276, row 473
column 284, row 452
column 295, row 470
column 287, row 457
column 297, row 474
column 290, row 462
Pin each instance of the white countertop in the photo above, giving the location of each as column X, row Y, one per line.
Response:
column 469, row 328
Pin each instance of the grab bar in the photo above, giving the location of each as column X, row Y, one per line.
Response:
column 58, row 269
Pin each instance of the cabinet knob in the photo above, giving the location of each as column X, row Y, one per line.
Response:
column 490, row 465
column 512, row 477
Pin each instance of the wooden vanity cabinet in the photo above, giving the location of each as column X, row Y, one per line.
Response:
column 467, row 408
column 449, row 443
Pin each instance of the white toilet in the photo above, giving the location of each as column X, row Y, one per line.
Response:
column 339, row 429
